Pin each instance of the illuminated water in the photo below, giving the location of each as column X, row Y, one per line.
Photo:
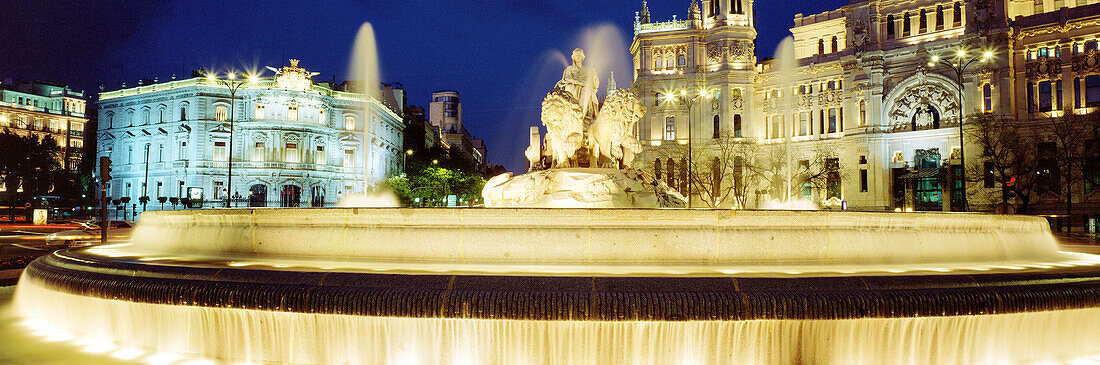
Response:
column 562, row 243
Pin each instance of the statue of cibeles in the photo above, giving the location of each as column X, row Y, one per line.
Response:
column 583, row 83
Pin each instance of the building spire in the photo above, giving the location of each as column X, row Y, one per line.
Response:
column 645, row 12
column 693, row 12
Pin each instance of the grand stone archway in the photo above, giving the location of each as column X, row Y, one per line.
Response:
column 922, row 101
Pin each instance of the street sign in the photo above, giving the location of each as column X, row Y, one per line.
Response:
column 196, row 196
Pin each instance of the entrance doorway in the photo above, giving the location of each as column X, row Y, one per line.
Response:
column 291, row 196
column 257, row 196
column 317, row 197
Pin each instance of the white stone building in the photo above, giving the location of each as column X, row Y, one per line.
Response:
column 861, row 85
column 294, row 142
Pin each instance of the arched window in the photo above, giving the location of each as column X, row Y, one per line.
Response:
column 820, row 46
column 958, row 14
column 737, row 7
column 923, row 22
column 890, row 31
column 987, row 98
column 836, row 46
column 862, row 113
column 130, row 118
column 657, row 62
column 657, row 169
column 681, row 60
column 717, row 126
column 939, row 17
column 111, row 121
column 183, row 113
column 737, row 125
column 670, row 173
column 906, row 26
column 715, row 8
column 145, row 116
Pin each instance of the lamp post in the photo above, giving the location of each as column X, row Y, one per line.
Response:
column 233, row 85
column 958, row 64
column 683, row 99
column 405, row 161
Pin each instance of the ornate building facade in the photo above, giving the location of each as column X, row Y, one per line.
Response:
column 874, row 83
column 46, row 109
column 295, row 142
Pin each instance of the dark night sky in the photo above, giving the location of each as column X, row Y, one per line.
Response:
column 501, row 55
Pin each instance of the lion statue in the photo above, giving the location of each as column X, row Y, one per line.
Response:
column 611, row 143
column 561, row 114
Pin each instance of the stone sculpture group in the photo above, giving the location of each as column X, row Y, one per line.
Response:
column 584, row 159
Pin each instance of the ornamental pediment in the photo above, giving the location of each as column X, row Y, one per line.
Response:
column 221, row 128
column 349, row 138
column 184, row 129
column 107, row 136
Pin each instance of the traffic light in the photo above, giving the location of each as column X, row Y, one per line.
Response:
column 104, row 169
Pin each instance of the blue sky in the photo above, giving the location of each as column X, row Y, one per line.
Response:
column 501, row 55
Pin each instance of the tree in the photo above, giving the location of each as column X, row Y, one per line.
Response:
column 817, row 169
column 1010, row 160
column 719, row 173
column 1070, row 134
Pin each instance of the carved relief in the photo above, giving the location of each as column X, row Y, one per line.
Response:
column 861, row 42
column 924, row 106
column 1086, row 62
column 829, row 97
column 737, row 102
column 1043, row 68
column 728, row 51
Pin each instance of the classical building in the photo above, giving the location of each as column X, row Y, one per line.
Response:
column 445, row 115
column 292, row 142
column 46, row 109
column 871, row 84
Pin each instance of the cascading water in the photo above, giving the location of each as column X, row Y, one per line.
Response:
column 566, row 286
column 364, row 69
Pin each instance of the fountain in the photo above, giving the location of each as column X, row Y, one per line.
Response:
column 525, row 284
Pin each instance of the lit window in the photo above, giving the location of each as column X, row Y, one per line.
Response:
column 319, row 158
column 670, row 128
column 349, row 158
column 220, row 113
column 258, row 152
column 260, row 112
column 657, row 62
column 321, row 117
column 221, row 153
column 292, row 152
column 349, row 123
column 292, row 113
column 681, row 61
column 1045, row 96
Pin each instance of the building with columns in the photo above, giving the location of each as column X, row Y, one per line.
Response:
column 871, row 82
column 295, row 142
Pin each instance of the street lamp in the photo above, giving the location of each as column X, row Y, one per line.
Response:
column 958, row 64
column 690, row 101
column 405, row 161
column 232, row 84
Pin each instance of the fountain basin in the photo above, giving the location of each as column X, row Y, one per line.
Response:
column 576, row 286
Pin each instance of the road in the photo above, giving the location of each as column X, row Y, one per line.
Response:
column 24, row 241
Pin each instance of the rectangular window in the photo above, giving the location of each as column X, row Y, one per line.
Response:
column 292, row 113
column 321, row 117
column 832, row 120
column 803, row 124
column 220, row 113
column 1045, row 101
column 349, row 123
column 260, row 114
column 1058, row 94
column 862, row 113
column 670, row 128
column 221, row 152
column 319, row 158
column 219, row 190
column 349, row 158
column 1076, row 92
column 292, row 154
column 1092, row 90
column 987, row 98
column 258, row 152
column 863, row 180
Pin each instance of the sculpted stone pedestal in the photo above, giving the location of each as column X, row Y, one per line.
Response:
column 581, row 188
